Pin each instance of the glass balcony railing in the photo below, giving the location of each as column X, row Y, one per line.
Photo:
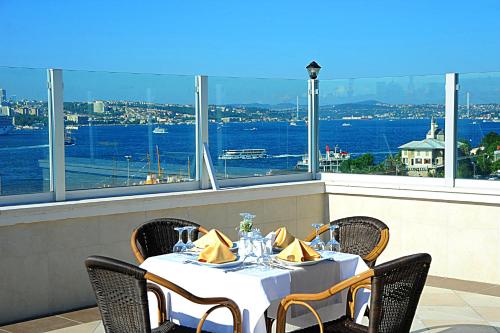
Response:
column 478, row 130
column 257, row 127
column 126, row 129
column 383, row 126
column 24, row 135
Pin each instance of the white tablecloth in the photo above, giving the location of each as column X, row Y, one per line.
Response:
column 253, row 289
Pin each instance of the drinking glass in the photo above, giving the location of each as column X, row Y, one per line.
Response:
column 333, row 244
column 317, row 243
column 179, row 246
column 189, row 244
column 264, row 259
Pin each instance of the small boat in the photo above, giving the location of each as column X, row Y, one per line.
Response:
column 346, row 124
column 72, row 127
column 243, row 154
column 293, row 123
column 250, row 129
column 68, row 139
column 159, row 130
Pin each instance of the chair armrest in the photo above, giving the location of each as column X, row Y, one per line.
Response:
column 301, row 299
column 202, row 230
column 322, row 230
column 380, row 247
column 135, row 250
column 220, row 301
column 160, row 298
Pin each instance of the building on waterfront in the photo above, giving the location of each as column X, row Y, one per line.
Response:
column 3, row 96
column 98, row 107
column 426, row 157
column 496, row 154
column 5, row 111
column 78, row 119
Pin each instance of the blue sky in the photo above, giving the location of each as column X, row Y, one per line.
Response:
column 356, row 38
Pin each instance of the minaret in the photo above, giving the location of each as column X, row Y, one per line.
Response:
column 431, row 134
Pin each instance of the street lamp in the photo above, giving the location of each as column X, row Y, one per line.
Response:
column 313, row 69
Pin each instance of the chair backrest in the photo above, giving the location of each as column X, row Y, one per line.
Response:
column 121, row 294
column 362, row 235
column 158, row 236
column 396, row 289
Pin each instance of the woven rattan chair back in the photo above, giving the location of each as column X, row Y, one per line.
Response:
column 362, row 235
column 121, row 295
column 396, row 289
column 158, row 236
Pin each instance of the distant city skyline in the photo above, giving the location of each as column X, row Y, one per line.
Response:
column 254, row 39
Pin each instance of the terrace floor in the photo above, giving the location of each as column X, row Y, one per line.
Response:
column 440, row 310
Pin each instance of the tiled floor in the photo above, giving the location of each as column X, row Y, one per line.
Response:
column 440, row 310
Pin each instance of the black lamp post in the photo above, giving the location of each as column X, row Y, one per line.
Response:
column 313, row 70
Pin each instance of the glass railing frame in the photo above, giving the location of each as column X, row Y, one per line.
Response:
column 202, row 182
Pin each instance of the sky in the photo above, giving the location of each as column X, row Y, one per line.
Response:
column 258, row 38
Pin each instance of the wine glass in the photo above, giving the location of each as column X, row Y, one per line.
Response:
column 317, row 243
column 333, row 244
column 189, row 244
column 179, row 246
column 264, row 259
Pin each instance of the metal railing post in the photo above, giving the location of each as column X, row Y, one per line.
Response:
column 451, row 115
column 201, row 109
column 56, row 134
column 312, row 129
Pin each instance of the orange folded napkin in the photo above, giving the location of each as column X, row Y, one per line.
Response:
column 217, row 253
column 212, row 237
column 299, row 251
column 283, row 238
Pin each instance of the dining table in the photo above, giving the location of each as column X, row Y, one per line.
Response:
column 256, row 289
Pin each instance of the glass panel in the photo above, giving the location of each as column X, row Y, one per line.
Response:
column 479, row 126
column 257, row 127
column 24, row 138
column 127, row 129
column 384, row 126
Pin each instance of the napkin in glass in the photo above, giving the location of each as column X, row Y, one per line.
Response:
column 299, row 251
column 212, row 237
column 283, row 238
column 217, row 253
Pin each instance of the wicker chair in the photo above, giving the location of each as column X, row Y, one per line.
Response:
column 121, row 293
column 396, row 289
column 158, row 236
column 361, row 235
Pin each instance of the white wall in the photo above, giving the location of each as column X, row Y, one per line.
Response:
column 42, row 262
column 463, row 238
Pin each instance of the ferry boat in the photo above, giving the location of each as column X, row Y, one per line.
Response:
column 330, row 162
column 6, row 125
column 243, row 154
column 159, row 130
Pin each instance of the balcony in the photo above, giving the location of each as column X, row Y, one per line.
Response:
column 69, row 201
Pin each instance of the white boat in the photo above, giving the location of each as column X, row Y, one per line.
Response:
column 159, row 130
column 346, row 124
column 243, row 154
column 6, row 125
column 72, row 127
column 330, row 162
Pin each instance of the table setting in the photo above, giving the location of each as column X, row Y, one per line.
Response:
column 256, row 271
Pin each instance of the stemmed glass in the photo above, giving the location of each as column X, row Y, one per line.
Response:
column 264, row 259
column 179, row 246
column 189, row 244
column 317, row 243
column 333, row 244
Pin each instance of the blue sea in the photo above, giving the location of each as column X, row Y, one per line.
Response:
column 108, row 156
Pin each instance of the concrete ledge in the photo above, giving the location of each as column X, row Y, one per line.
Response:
column 11, row 215
column 465, row 195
